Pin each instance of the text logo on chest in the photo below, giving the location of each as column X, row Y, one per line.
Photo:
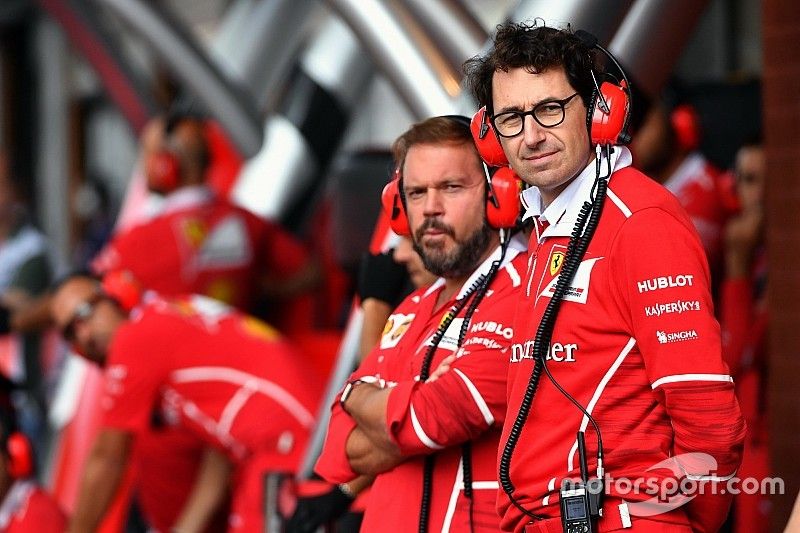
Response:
column 560, row 353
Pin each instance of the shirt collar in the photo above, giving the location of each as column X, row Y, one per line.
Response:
column 188, row 196
column 516, row 245
column 562, row 212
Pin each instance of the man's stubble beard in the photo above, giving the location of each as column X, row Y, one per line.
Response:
column 460, row 262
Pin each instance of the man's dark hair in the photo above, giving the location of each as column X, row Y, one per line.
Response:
column 536, row 49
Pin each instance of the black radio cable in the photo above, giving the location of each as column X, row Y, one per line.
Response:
column 588, row 218
column 466, row 448
column 424, row 374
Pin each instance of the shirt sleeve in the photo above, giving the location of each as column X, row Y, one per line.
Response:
column 333, row 464
column 466, row 401
column 132, row 378
column 662, row 278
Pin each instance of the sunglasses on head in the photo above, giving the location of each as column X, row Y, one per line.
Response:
column 82, row 313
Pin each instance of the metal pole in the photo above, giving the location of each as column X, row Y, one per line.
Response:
column 229, row 104
column 426, row 91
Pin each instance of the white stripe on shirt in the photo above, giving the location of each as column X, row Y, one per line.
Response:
column 691, row 377
column 476, row 396
column 421, row 435
column 244, row 379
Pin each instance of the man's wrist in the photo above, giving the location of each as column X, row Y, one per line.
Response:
column 350, row 386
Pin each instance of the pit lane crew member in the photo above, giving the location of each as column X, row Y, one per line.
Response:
column 200, row 243
column 635, row 342
column 228, row 378
column 389, row 421
column 24, row 506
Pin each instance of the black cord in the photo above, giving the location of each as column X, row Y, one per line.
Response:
column 424, row 374
column 588, row 218
column 478, row 289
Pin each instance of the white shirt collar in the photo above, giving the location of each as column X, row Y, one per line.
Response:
column 188, row 196
column 562, row 212
column 516, row 246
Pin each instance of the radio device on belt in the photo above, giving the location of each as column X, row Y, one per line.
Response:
column 581, row 501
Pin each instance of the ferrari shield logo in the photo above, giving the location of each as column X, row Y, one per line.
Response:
column 556, row 260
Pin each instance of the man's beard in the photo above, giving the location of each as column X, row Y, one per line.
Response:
column 461, row 261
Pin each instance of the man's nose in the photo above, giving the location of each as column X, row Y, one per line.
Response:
column 532, row 132
column 433, row 203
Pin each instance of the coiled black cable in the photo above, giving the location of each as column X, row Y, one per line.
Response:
column 588, row 218
column 478, row 289
column 424, row 374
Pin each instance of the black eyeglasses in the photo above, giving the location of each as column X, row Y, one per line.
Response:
column 547, row 114
column 82, row 313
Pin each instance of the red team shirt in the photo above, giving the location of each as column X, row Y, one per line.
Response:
column 467, row 403
column 636, row 343
column 202, row 244
column 226, row 377
column 198, row 244
column 706, row 194
column 28, row 508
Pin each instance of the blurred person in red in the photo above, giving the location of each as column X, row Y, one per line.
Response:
column 667, row 148
column 744, row 324
column 430, row 437
column 24, row 506
column 227, row 378
column 199, row 242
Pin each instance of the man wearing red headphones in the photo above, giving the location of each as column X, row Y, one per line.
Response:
column 614, row 326
column 24, row 506
column 200, row 243
column 431, row 443
column 227, row 378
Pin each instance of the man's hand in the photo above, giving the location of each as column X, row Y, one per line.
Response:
column 442, row 369
column 315, row 511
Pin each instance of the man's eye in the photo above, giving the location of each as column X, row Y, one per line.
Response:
column 549, row 109
column 508, row 119
column 415, row 194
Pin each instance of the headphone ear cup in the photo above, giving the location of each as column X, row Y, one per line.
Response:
column 394, row 208
column 608, row 126
column 503, row 210
column 686, row 125
column 20, row 456
column 121, row 286
column 162, row 170
column 486, row 140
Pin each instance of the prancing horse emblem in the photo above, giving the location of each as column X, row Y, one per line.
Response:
column 555, row 263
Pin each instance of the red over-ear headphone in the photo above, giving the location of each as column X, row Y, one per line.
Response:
column 163, row 172
column 20, row 456
column 609, row 113
column 502, row 201
column 486, row 140
column 122, row 287
column 686, row 126
column 393, row 206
